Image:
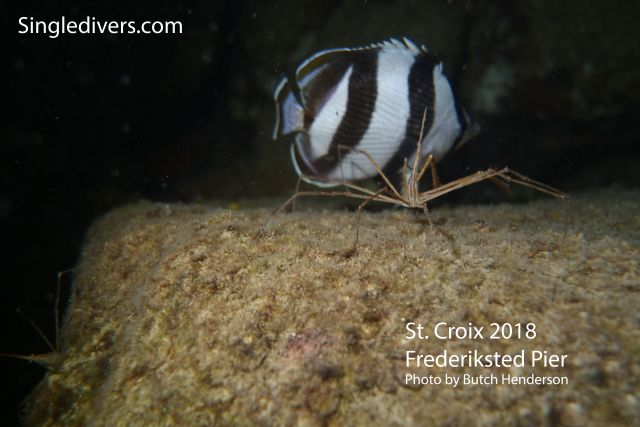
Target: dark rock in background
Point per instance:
(96, 121)
(553, 85)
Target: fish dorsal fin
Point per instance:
(406, 44)
(325, 57)
(320, 61)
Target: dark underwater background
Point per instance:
(92, 122)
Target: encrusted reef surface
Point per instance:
(197, 315)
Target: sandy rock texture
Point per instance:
(197, 315)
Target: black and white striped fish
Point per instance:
(371, 98)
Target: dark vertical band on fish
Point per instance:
(421, 97)
(361, 100)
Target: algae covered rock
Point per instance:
(194, 315)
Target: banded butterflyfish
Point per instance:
(340, 103)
